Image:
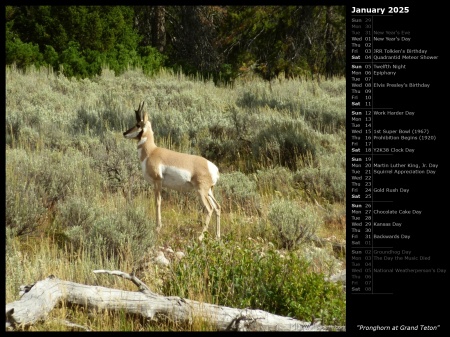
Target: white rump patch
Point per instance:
(176, 178)
(214, 171)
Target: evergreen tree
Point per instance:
(217, 41)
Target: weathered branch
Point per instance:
(44, 295)
(141, 285)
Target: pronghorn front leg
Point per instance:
(158, 187)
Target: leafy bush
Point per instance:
(151, 60)
(248, 275)
(73, 62)
(51, 56)
(295, 223)
(22, 54)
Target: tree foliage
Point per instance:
(79, 39)
(286, 39)
(193, 35)
(219, 41)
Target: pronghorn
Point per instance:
(175, 170)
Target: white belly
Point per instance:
(176, 178)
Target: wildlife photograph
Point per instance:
(175, 168)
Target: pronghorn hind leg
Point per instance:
(215, 205)
(158, 188)
(209, 209)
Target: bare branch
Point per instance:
(141, 285)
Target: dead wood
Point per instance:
(43, 296)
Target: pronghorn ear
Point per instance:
(145, 117)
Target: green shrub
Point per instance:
(236, 192)
(326, 182)
(113, 232)
(107, 115)
(24, 209)
(172, 125)
(36, 183)
(295, 224)
(61, 174)
(232, 152)
(227, 141)
(33, 184)
(321, 259)
(151, 60)
(249, 276)
(22, 54)
(275, 180)
(29, 135)
(51, 56)
(72, 61)
(16, 122)
(281, 143)
(116, 160)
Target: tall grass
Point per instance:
(76, 199)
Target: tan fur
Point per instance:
(197, 167)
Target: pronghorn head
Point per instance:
(141, 123)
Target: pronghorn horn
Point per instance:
(139, 111)
(141, 107)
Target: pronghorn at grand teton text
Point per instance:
(178, 171)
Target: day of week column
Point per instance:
(361, 155)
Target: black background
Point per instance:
(415, 299)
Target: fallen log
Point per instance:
(40, 298)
